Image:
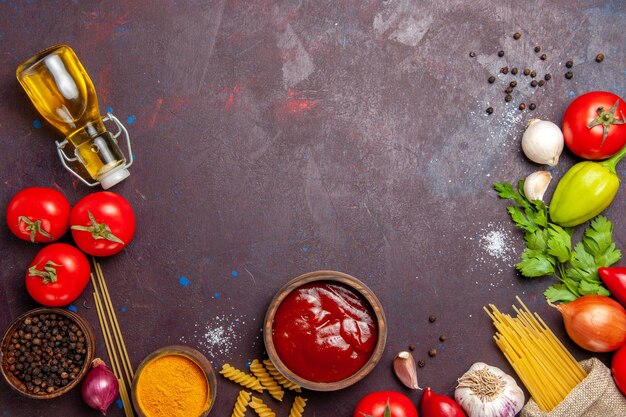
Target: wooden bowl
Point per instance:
(352, 283)
(192, 354)
(20, 386)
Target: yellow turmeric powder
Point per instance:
(172, 386)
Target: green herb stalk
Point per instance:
(549, 247)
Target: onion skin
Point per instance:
(100, 387)
(595, 322)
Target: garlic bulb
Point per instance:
(543, 142)
(486, 391)
(536, 184)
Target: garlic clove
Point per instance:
(542, 142)
(536, 184)
(404, 367)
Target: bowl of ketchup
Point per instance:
(325, 330)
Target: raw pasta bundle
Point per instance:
(261, 408)
(278, 377)
(266, 380)
(241, 378)
(297, 408)
(241, 404)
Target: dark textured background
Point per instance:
(277, 138)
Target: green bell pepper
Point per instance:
(585, 191)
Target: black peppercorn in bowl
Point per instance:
(46, 352)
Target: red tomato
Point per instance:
(593, 125)
(435, 405)
(38, 214)
(618, 368)
(102, 223)
(375, 403)
(58, 275)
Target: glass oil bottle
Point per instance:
(63, 93)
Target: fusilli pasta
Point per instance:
(297, 408)
(266, 380)
(241, 378)
(261, 408)
(278, 377)
(241, 404)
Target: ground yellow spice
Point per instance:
(172, 386)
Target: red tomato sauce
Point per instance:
(324, 331)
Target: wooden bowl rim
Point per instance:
(90, 342)
(190, 353)
(359, 287)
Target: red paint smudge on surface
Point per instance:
(296, 104)
(155, 113)
(58, 187)
(231, 97)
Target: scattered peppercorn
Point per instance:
(411, 347)
(504, 70)
(514, 70)
(491, 79)
(526, 71)
(442, 338)
(432, 318)
(472, 54)
(569, 64)
(569, 75)
(421, 363)
(532, 106)
(522, 106)
(508, 98)
(517, 35)
(513, 84)
(547, 77)
(537, 48)
(432, 353)
(489, 110)
(599, 57)
(541, 83)
(533, 83)
(508, 90)
(543, 57)
(533, 74)
(500, 54)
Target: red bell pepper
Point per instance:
(615, 279)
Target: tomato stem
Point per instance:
(33, 227)
(49, 274)
(606, 119)
(98, 230)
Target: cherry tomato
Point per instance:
(435, 405)
(375, 404)
(593, 125)
(38, 214)
(102, 223)
(618, 369)
(58, 275)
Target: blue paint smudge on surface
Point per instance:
(123, 309)
(184, 281)
(109, 109)
(120, 404)
(305, 249)
(131, 119)
(571, 93)
(37, 124)
(72, 308)
(234, 273)
(216, 295)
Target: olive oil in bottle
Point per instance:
(63, 93)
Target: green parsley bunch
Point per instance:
(549, 247)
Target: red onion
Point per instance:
(100, 387)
